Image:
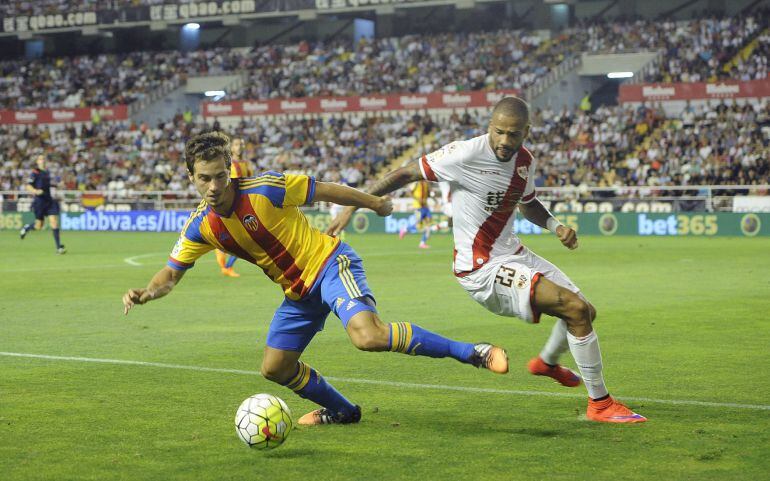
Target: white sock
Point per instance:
(556, 345)
(586, 352)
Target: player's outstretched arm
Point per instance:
(354, 198)
(393, 180)
(161, 284)
(535, 212)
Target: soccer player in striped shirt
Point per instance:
(258, 219)
(490, 176)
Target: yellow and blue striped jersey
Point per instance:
(240, 168)
(420, 194)
(265, 227)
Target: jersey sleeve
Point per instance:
(300, 190)
(444, 165)
(530, 193)
(189, 247)
(32, 179)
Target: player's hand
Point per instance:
(340, 222)
(567, 236)
(384, 207)
(134, 296)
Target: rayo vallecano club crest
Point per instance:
(251, 222)
(523, 171)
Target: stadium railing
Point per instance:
(691, 198)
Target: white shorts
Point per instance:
(506, 286)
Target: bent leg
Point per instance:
(578, 315)
(369, 333)
(285, 368)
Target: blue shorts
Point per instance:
(340, 288)
(424, 217)
(45, 207)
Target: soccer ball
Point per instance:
(263, 421)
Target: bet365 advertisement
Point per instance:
(637, 224)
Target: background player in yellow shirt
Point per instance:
(258, 219)
(238, 168)
(422, 214)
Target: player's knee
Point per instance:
(592, 311)
(369, 338)
(579, 313)
(275, 373)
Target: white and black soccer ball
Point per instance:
(263, 421)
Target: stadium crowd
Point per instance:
(614, 146)
(122, 158)
(696, 50)
(509, 59)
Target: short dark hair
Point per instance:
(512, 107)
(207, 146)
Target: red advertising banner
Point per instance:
(328, 105)
(61, 116)
(728, 89)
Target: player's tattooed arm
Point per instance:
(396, 179)
(393, 180)
(161, 284)
(535, 212)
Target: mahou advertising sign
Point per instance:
(63, 116)
(369, 103)
(694, 91)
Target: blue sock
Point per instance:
(410, 339)
(424, 237)
(56, 237)
(230, 261)
(29, 227)
(309, 384)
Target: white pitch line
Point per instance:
(132, 260)
(63, 268)
(408, 385)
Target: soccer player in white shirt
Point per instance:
(490, 176)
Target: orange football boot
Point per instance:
(560, 374)
(611, 411)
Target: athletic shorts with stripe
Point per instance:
(506, 287)
(341, 288)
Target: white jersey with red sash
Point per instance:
(485, 192)
(490, 262)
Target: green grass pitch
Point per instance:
(681, 321)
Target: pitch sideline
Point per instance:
(440, 387)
